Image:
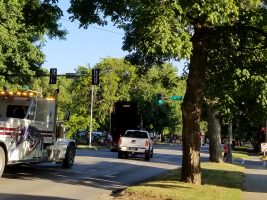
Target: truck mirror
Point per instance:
(30, 115)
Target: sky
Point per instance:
(83, 47)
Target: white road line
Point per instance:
(111, 175)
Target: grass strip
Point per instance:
(240, 155)
(220, 181)
(240, 152)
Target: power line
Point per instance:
(102, 29)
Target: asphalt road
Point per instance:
(94, 175)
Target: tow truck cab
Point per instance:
(28, 131)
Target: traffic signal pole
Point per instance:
(91, 116)
(95, 81)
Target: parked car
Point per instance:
(97, 134)
(81, 137)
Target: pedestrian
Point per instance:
(225, 149)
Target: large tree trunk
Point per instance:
(191, 107)
(214, 133)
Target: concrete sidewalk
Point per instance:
(255, 180)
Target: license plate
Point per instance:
(133, 148)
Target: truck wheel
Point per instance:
(147, 156)
(2, 160)
(69, 157)
(120, 154)
(126, 155)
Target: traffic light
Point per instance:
(159, 99)
(95, 76)
(53, 76)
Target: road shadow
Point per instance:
(30, 197)
(97, 175)
(255, 183)
(254, 164)
(255, 179)
(106, 173)
(171, 155)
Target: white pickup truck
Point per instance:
(135, 142)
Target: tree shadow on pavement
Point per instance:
(255, 180)
(31, 197)
(103, 175)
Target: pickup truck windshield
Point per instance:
(136, 134)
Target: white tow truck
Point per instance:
(29, 132)
(135, 142)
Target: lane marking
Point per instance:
(111, 175)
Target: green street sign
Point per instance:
(26, 87)
(176, 98)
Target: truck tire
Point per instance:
(2, 161)
(120, 154)
(126, 155)
(147, 156)
(69, 157)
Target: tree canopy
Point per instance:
(119, 81)
(161, 30)
(237, 70)
(23, 27)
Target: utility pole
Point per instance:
(55, 114)
(110, 119)
(91, 116)
(95, 81)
